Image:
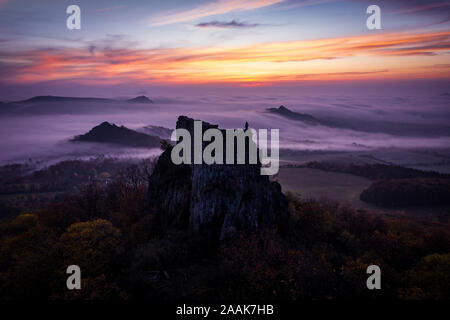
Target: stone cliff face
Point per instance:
(214, 200)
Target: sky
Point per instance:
(136, 44)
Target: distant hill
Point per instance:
(39, 99)
(285, 112)
(40, 105)
(140, 99)
(110, 133)
(389, 127)
(6, 107)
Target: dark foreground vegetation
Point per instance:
(111, 232)
(400, 192)
(22, 187)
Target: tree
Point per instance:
(92, 245)
(431, 277)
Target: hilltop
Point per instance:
(140, 99)
(285, 112)
(372, 126)
(39, 99)
(42, 99)
(110, 133)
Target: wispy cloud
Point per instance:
(358, 57)
(425, 6)
(306, 3)
(109, 8)
(209, 9)
(226, 24)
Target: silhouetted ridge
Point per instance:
(390, 127)
(283, 111)
(38, 99)
(140, 99)
(110, 133)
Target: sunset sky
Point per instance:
(219, 42)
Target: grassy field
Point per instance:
(313, 183)
(342, 187)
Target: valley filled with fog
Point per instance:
(405, 130)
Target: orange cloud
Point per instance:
(394, 55)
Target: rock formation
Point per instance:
(214, 200)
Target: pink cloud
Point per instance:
(362, 56)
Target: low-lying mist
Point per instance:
(42, 131)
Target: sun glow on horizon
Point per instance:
(390, 55)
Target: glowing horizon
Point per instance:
(368, 57)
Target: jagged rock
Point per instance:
(169, 191)
(214, 200)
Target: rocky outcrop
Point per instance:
(214, 200)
